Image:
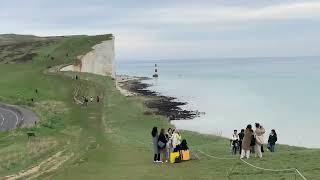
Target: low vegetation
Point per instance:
(110, 139)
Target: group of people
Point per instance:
(86, 100)
(166, 142)
(251, 141)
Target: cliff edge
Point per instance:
(101, 60)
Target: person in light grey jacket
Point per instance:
(155, 137)
(169, 143)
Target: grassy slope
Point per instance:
(105, 139)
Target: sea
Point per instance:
(279, 93)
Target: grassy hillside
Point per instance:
(110, 140)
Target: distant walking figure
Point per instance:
(259, 139)
(245, 152)
(86, 101)
(76, 77)
(98, 99)
(155, 137)
(36, 91)
(91, 99)
(272, 140)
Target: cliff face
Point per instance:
(98, 61)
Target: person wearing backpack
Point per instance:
(259, 139)
(245, 151)
(162, 142)
(155, 137)
(272, 140)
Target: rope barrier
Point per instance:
(265, 169)
(257, 167)
(304, 178)
(247, 163)
(214, 157)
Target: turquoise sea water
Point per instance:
(280, 93)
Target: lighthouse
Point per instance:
(155, 75)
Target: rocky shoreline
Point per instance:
(160, 105)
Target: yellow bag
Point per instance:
(185, 155)
(173, 156)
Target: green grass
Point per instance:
(103, 141)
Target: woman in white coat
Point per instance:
(176, 138)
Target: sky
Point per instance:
(176, 29)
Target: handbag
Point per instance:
(161, 144)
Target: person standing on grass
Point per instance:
(86, 101)
(155, 137)
(98, 99)
(259, 139)
(272, 140)
(162, 142)
(253, 142)
(245, 151)
(240, 135)
(169, 143)
(91, 99)
(176, 139)
(234, 142)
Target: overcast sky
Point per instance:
(169, 29)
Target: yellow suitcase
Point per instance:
(173, 156)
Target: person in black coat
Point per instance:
(241, 135)
(272, 140)
(162, 142)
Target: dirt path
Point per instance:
(46, 166)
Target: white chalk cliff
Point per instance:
(98, 61)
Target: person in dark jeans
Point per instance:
(155, 137)
(241, 135)
(272, 140)
(234, 142)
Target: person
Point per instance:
(169, 143)
(155, 137)
(162, 142)
(176, 138)
(245, 151)
(98, 99)
(253, 143)
(234, 142)
(259, 139)
(86, 101)
(91, 99)
(272, 140)
(240, 135)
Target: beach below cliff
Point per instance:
(158, 104)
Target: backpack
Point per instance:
(184, 145)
